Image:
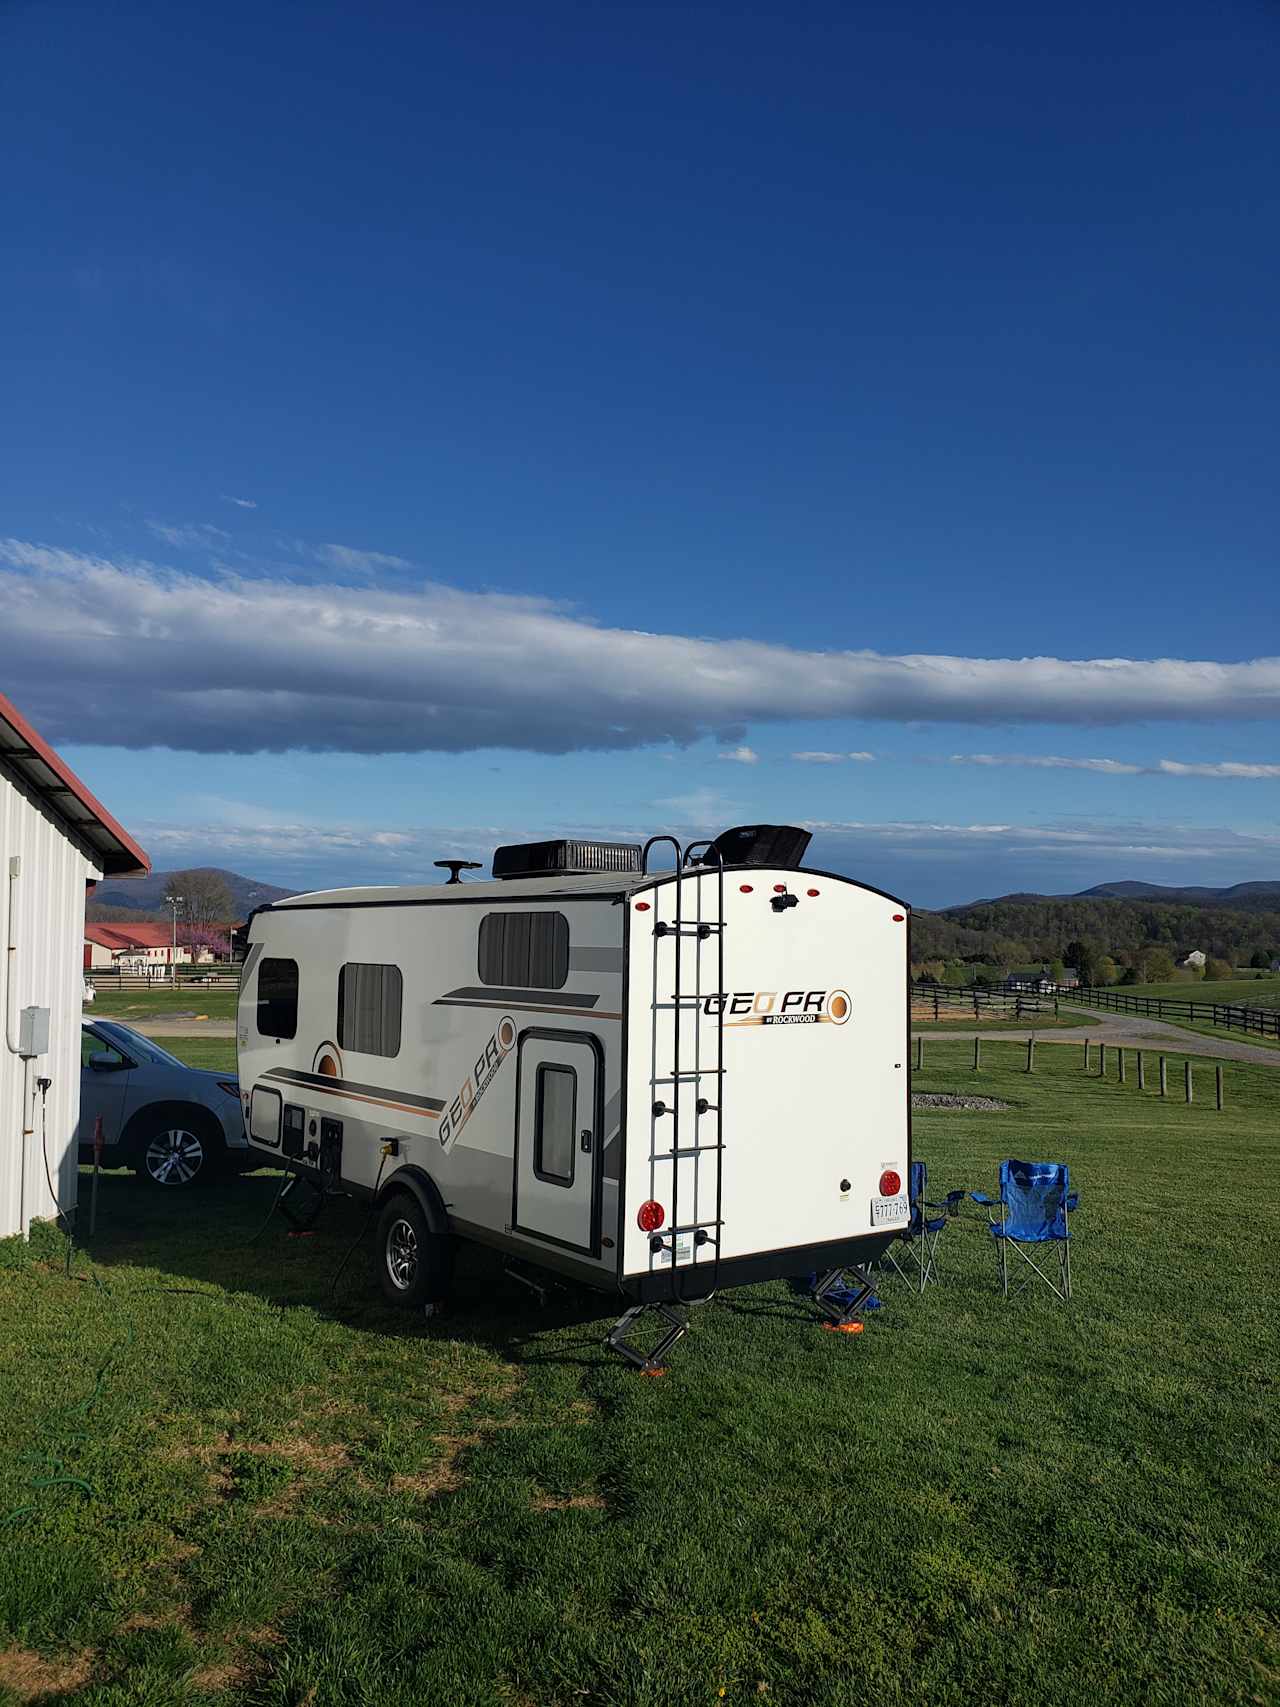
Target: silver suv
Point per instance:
(175, 1125)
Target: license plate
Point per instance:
(885, 1210)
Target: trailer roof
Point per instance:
(522, 889)
(505, 889)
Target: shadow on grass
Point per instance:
(225, 1239)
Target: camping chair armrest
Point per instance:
(981, 1197)
(1073, 1202)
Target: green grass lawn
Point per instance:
(243, 1490)
(1262, 991)
(156, 1003)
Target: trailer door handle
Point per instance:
(585, 1140)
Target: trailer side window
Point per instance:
(277, 998)
(524, 951)
(557, 1102)
(369, 1003)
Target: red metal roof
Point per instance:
(145, 934)
(35, 763)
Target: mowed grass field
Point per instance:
(223, 1483)
(156, 1003)
(1260, 991)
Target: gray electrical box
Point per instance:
(33, 1032)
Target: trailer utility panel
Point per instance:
(660, 1082)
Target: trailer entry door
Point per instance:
(558, 1139)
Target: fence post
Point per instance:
(1164, 1077)
(977, 1054)
(919, 1050)
(1120, 1052)
(1186, 1079)
(1102, 1060)
(1086, 1054)
(1031, 1055)
(1217, 1074)
(935, 1004)
(1142, 1077)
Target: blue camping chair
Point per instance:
(922, 1232)
(1036, 1206)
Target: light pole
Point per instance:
(174, 901)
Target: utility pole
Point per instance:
(174, 901)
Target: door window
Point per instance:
(554, 1121)
(91, 1045)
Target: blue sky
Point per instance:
(431, 425)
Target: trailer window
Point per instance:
(553, 1152)
(369, 1003)
(277, 998)
(264, 1115)
(524, 951)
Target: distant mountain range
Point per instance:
(146, 894)
(1257, 897)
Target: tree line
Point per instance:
(1105, 941)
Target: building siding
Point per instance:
(47, 928)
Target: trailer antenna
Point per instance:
(455, 868)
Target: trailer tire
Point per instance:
(413, 1261)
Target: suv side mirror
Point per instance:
(106, 1062)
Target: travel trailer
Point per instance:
(658, 1081)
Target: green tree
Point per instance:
(1157, 966)
(1260, 958)
(1218, 969)
(1105, 970)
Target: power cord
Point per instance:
(68, 1222)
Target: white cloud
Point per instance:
(236, 664)
(1045, 761)
(833, 758)
(742, 756)
(366, 562)
(1118, 767)
(190, 536)
(241, 503)
(1227, 768)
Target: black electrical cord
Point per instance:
(68, 1223)
(364, 1228)
(275, 1204)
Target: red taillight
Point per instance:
(779, 888)
(642, 906)
(745, 888)
(812, 892)
(890, 1183)
(899, 918)
(650, 1216)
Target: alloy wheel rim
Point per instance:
(402, 1255)
(174, 1157)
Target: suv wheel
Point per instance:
(174, 1153)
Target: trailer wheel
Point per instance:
(412, 1260)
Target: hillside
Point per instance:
(143, 896)
(1020, 930)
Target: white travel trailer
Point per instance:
(658, 1082)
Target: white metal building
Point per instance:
(55, 839)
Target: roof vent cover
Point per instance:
(565, 858)
(763, 844)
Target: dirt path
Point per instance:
(177, 1027)
(1134, 1032)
